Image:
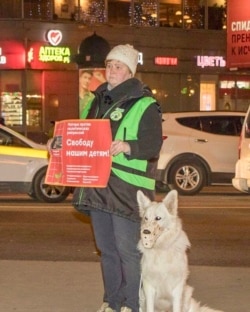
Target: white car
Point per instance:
(199, 149)
(23, 166)
(241, 180)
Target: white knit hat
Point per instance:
(125, 54)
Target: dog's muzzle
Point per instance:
(149, 235)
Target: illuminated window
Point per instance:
(187, 14)
(34, 9)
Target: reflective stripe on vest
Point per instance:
(132, 171)
(86, 110)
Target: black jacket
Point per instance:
(119, 197)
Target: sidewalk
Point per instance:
(43, 286)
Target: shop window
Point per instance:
(118, 12)
(34, 100)
(173, 92)
(13, 107)
(12, 110)
(69, 9)
(187, 14)
(201, 14)
(170, 14)
(34, 110)
(234, 92)
(10, 8)
(193, 14)
(144, 13)
(216, 14)
(11, 97)
(190, 92)
(42, 9)
(86, 11)
(207, 96)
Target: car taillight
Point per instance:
(164, 137)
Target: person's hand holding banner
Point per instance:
(79, 153)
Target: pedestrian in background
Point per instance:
(137, 138)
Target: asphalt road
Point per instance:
(217, 223)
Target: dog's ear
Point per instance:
(143, 202)
(171, 202)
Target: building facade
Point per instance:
(184, 66)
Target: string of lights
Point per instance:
(189, 14)
(144, 13)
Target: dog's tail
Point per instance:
(191, 305)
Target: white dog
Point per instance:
(164, 264)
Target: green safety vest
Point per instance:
(132, 171)
(85, 111)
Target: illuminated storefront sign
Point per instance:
(140, 58)
(54, 37)
(12, 55)
(54, 54)
(210, 61)
(238, 34)
(166, 61)
(3, 59)
(42, 56)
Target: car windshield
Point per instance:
(7, 139)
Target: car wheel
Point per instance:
(187, 177)
(48, 193)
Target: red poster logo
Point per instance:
(79, 154)
(238, 34)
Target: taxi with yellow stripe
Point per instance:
(23, 166)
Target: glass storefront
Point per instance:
(182, 76)
(178, 92)
(175, 92)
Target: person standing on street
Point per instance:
(136, 128)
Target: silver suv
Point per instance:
(199, 149)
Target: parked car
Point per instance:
(199, 149)
(23, 166)
(241, 180)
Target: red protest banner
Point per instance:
(238, 27)
(79, 153)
